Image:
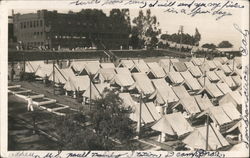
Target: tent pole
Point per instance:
(207, 131)
(90, 91)
(139, 119)
(54, 77)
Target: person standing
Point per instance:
(30, 104)
(12, 73)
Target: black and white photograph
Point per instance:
(163, 78)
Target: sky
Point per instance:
(211, 30)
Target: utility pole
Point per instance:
(139, 118)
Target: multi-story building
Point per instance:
(83, 29)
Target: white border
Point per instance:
(29, 4)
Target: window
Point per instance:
(30, 23)
(41, 23)
(37, 33)
(21, 25)
(34, 23)
(37, 23)
(41, 33)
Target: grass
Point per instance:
(52, 106)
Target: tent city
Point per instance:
(121, 79)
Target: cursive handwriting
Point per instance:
(85, 2)
(201, 153)
(244, 41)
(246, 104)
(111, 2)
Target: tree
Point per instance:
(209, 46)
(110, 118)
(147, 27)
(72, 136)
(197, 37)
(225, 44)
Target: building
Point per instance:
(87, 28)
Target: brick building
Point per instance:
(83, 29)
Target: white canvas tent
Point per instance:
(61, 75)
(104, 75)
(173, 124)
(156, 70)
(223, 87)
(189, 64)
(212, 76)
(190, 81)
(149, 113)
(78, 66)
(122, 70)
(227, 79)
(212, 90)
(32, 66)
(143, 83)
(44, 70)
(96, 91)
(197, 139)
(195, 71)
(123, 80)
(175, 77)
(139, 66)
(91, 68)
(107, 65)
(203, 102)
(197, 61)
(127, 100)
(233, 97)
(77, 83)
(164, 93)
(126, 63)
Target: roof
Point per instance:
(44, 70)
(156, 70)
(126, 63)
(92, 67)
(217, 63)
(180, 91)
(143, 83)
(210, 64)
(197, 61)
(204, 103)
(122, 70)
(233, 96)
(78, 65)
(165, 64)
(123, 80)
(212, 76)
(223, 87)
(213, 90)
(237, 80)
(179, 66)
(175, 77)
(195, 71)
(227, 79)
(222, 114)
(107, 73)
(61, 75)
(164, 93)
(197, 139)
(226, 69)
(191, 82)
(222, 60)
(173, 124)
(189, 104)
(107, 65)
(96, 90)
(148, 113)
(76, 83)
(32, 66)
(189, 64)
(127, 100)
(141, 65)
